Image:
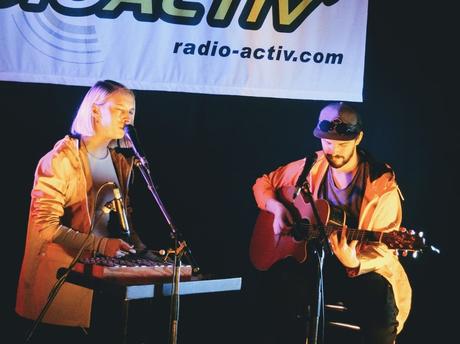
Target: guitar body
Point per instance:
(266, 248)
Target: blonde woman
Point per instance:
(73, 182)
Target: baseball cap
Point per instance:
(338, 121)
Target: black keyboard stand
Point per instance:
(120, 295)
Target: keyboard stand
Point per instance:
(123, 294)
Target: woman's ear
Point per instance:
(95, 113)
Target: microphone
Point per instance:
(131, 134)
(309, 162)
(120, 209)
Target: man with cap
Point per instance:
(369, 278)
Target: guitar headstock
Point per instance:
(405, 241)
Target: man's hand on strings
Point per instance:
(283, 221)
(345, 252)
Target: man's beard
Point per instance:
(337, 161)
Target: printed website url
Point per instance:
(273, 53)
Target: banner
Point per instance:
(299, 49)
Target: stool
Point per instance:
(340, 328)
(340, 308)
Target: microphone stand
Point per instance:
(319, 246)
(180, 247)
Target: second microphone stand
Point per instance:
(180, 248)
(319, 247)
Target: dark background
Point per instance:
(206, 151)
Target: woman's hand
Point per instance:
(118, 248)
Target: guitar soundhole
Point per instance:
(299, 231)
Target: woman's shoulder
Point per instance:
(64, 150)
(68, 142)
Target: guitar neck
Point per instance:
(363, 236)
(396, 239)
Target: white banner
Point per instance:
(301, 49)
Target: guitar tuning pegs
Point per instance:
(403, 229)
(415, 254)
(421, 234)
(411, 232)
(404, 253)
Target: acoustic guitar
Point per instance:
(266, 247)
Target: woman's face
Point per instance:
(111, 116)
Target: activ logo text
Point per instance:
(287, 15)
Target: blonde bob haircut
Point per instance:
(97, 94)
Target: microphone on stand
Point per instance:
(120, 210)
(131, 134)
(309, 162)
